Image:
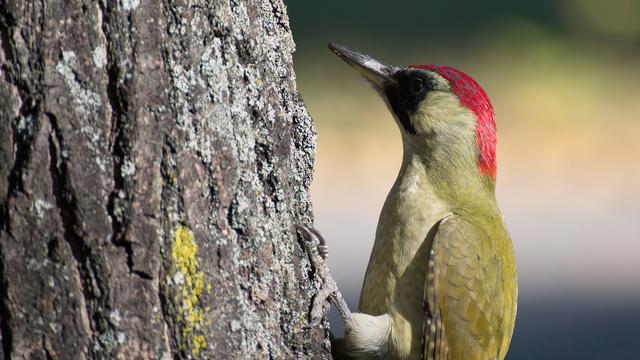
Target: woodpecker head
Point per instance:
(443, 114)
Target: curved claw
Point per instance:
(322, 246)
(314, 242)
(306, 233)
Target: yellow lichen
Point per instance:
(190, 283)
(198, 344)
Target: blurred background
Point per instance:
(564, 79)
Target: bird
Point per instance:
(441, 282)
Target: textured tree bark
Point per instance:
(153, 158)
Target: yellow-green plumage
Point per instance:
(441, 281)
(471, 289)
(471, 284)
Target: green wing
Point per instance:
(467, 305)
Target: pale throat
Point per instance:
(414, 199)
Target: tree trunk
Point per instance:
(153, 159)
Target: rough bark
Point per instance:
(153, 158)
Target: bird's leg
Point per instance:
(366, 336)
(316, 247)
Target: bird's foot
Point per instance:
(317, 249)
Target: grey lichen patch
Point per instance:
(106, 341)
(40, 206)
(55, 327)
(211, 63)
(115, 317)
(128, 168)
(99, 56)
(25, 125)
(121, 338)
(86, 100)
(129, 5)
(96, 144)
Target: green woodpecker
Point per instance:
(441, 281)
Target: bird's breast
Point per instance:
(395, 277)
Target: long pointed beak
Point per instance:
(376, 72)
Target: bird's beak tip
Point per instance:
(373, 70)
(337, 48)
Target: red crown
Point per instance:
(473, 97)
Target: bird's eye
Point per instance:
(416, 86)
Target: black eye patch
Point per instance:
(414, 87)
(405, 97)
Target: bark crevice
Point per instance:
(122, 131)
(66, 205)
(168, 200)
